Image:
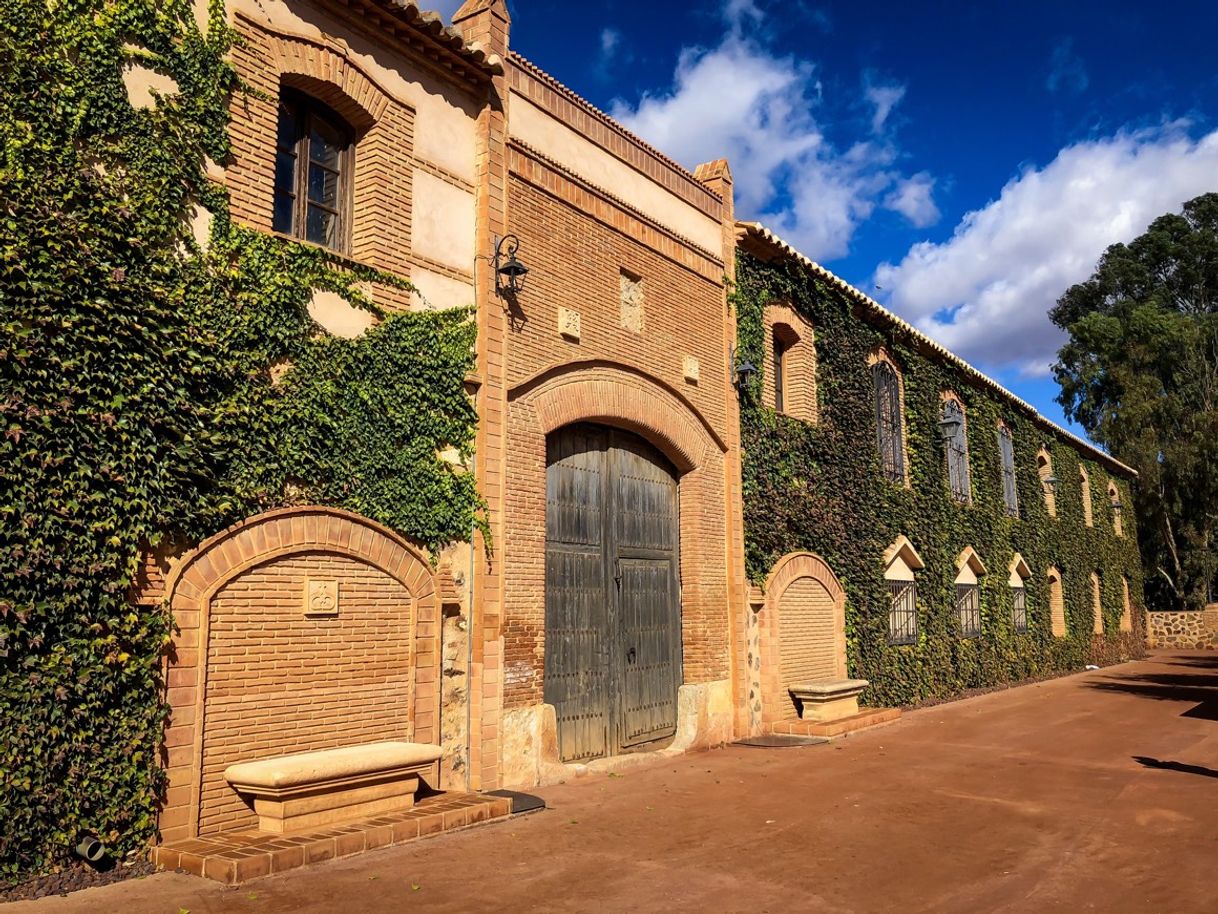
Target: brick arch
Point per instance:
(259, 545)
(788, 572)
(611, 394)
(316, 69)
(616, 395)
(783, 323)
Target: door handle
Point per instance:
(630, 656)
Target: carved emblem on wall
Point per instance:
(569, 323)
(631, 289)
(321, 598)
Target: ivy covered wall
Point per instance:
(819, 488)
(157, 389)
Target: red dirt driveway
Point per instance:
(1098, 792)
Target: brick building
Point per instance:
(614, 613)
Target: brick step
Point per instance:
(864, 720)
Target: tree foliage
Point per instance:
(1140, 374)
(153, 388)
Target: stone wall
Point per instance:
(1187, 630)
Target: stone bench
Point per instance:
(828, 699)
(315, 789)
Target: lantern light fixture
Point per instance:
(510, 273)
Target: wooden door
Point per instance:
(613, 639)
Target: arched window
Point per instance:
(1057, 604)
(969, 570)
(953, 427)
(789, 375)
(1006, 453)
(1048, 482)
(1118, 509)
(889, 420)
(780, 351)
(901, 560)
(1097, 603)
(1019, 594)
(1085, 482)
(312, 173)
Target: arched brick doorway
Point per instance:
(301, 630)
(612, 592)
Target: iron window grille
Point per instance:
(890, 433)
(1006, 448)
(313, 165)
(956, 444)
(968, 606)
(903, 614)
(1019, 610)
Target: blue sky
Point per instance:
(964, 163)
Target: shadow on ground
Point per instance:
(1175, 766)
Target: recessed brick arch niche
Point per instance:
(300, 630)
(802, 632)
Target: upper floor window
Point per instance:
(1118, 509)
(1048, 482)
(313, 163)
(789, 378)
(889, 421)
(901, 561)
(1085, 483)
(780, 351)
(955, 442)
(1006, 452)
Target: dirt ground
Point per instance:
(1098, 792)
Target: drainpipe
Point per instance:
(469, 646)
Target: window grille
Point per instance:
(956, 442)
(890, 432)
(1006, 448)
(968, 605)
(312, 173)
(903, 615)
(1019, 611)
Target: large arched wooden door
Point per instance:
(613, 627)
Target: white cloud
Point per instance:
(986, 291)
(914, 199)
(883, 99)
(740, 101)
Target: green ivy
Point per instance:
(156, 391)
(819, 488)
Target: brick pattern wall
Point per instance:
(242, 591)
(279, 682)
(802, 632)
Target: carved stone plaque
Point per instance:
(321, 598)
(569, 323)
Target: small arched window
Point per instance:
(780, 371)
(1085, 483)
(313, 159)
(1048, 482)
(889, 421)
(953, 426)
(1118, 509)
(1019, 594)
(901, 561)
(1006, 453)
(1057, 604)
(969, 570)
